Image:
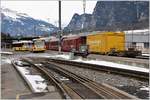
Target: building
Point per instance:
(138, 39)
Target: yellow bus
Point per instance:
(22, 45)
(38, 45)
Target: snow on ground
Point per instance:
(145, 88)
(8, 61)
(105, 63)
(4, 52)
(5, 60)
(37, 83)
(63, 56)
(145, 54)
(46, 55)
(112, 64)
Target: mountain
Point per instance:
(19, 23)
(112, 15)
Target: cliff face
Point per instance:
(79, 21)
(113, 15)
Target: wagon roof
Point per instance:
(16, 42)
(72, 37)
(144, 31)
(54, 39)
(105, 32)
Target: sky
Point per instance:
(48, 10)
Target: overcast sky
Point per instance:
(48, 10)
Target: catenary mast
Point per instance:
(60, 31)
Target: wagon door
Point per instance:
(115, 42)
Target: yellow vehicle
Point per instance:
(105, 42)
(22, 45)
(38, 45)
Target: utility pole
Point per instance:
(137, 10)
(84, 6)
(48, 26)
(34, 30)
(60, 31)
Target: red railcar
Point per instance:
(47, 45)
(53, 45)
(76, 44)
(70, 43)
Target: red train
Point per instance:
(79, 45)
(76, 44)
(73, 43)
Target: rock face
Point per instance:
(18, 23)
(113, 15)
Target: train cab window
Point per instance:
(133, 44)
(146, 45)
(17, 45)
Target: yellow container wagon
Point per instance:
(105, 42)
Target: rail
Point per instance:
(93, 89)
(125, 72)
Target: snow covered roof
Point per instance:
(16, 42)
(146, 31)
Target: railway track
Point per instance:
(143, 57)
(124, 72)
(77, 87)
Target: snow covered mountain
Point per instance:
(19, 23)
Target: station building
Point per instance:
(138, 39)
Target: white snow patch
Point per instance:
(11, 14)
(42, 25)
(111, 64)
(36, 81)
(4, 52)
(45, 28)
(46, 55)
(144, 54)
(38, 64)
(105, 63)
(6, 61)
(145, 88)
(63, 56)
(23, 70)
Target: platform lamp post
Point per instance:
(60, 31)
(84, 6)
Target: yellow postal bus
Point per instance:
(22, 45)
(38, 45)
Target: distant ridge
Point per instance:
(20, 23)
(112, 15)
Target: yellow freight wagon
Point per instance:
(105, 42)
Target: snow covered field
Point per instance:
(4, 52)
